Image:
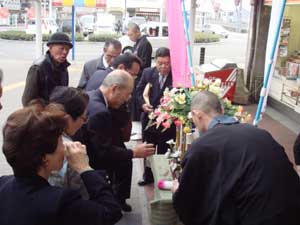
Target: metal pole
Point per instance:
(192, 23)
(125, 8)
(189, 51)
(73, 31)
(50, 9)
(38, 34)
(161, 11)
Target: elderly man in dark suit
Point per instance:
(234, 173)
(159, 78)
(112, 48)
(143, 50)
(104, 149)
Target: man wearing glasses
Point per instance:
(49, 71)
(112, 48)
(157, 79)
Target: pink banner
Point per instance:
(178, 45)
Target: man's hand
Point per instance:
(175, 186)
(147, 108)
(143, 150)
(77, 157)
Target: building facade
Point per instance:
(284, 92)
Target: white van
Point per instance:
(49, 26)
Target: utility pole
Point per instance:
(38, 34)
(125, 8)
(192, 22)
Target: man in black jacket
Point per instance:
(143, 50)
(112, 49)
(234, 173)
(159, 78)
(104, 149)
(49, 71)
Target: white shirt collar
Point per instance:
(104, 62)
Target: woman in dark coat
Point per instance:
(32, 145)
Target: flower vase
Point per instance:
(178, 131)
(183, 145)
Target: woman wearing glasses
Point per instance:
(33, 146)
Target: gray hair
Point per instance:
(133, 27)
(207, 102)
(1, 76)
(120, 78)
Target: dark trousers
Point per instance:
(156, 137)
(120, 176)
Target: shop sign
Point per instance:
(12, 4)
(80, 3)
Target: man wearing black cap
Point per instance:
(49, 71)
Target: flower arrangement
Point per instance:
(175, 106)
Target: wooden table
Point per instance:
(162, 211)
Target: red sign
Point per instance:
(101, 3)
(4, 13)
(228, 78)
(57, 2)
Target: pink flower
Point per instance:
(165, 101)
(166, 116)
(166, 125)
(177, 123)
(157, 112)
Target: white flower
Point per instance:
(217, 82)
(215, 90)
(206, 81)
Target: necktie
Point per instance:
(161, 82)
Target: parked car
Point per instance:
(66, 26)
(157, 34)
(105, 23)
(215, 29)
(88, 24)
(49, 26)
